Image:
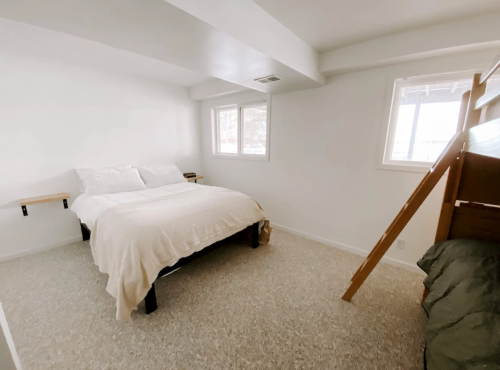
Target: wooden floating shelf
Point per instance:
(43, 199)
(194, 178)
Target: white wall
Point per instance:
(323, 177)
(56, 116)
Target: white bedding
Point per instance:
(136, 234)
(89, 207)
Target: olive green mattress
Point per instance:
(463, 306)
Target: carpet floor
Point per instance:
(276, 307)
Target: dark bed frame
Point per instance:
(150, 299)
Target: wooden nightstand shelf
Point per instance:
(194, 178)
(43, 199)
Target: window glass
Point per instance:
(241, 131)
(436, 125)
(493, 83)
(403, 132)
(227, 131)
(427, 118)
(254, 120)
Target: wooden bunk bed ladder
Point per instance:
(447, 158)
(452, 156)
(473, 157)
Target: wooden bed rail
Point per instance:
(488, 98)
(473, 116)
(492, 95)
(451, 190)
(485, 139)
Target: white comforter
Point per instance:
(135, 235)
(89, 207)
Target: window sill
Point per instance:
(406, 167)
(248, 157)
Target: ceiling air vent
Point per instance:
(265, 80)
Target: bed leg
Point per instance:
(150, 300)
(255, 235)
(85, 232)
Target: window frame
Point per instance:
(393, 112)
(240, 154)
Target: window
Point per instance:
(227, 130)
(424, 118)
(242, 131)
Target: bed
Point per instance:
(138, 236)
(462, 290)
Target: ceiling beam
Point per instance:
(443, 39)
(16, 37)
(214, 89)
(252, 25)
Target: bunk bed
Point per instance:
(462, 289)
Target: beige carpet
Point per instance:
(277, 307)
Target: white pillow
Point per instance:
(85, 170)
(155, 176)
(110, 180)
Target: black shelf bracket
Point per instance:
(25, 210)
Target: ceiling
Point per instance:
(22, 38)
(329, 24)
(193, 42)
(160, 31)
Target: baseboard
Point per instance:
(331, 243)
(348, 248)
(40, 249)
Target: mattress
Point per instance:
(463, 305)
(89, 207)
